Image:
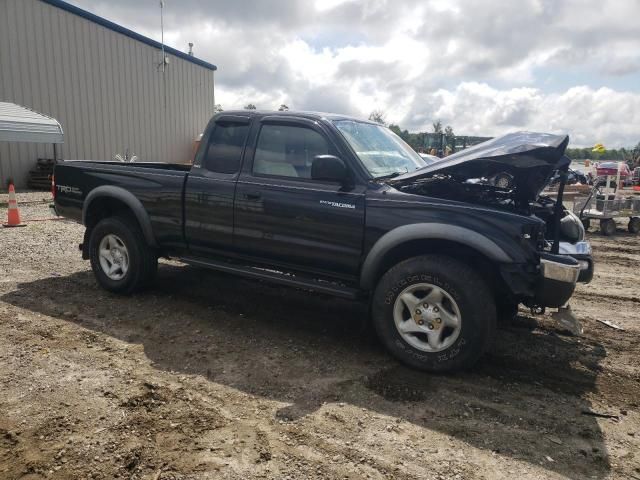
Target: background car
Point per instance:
(611, 168)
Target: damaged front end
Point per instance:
(507, 172)
(510, 173)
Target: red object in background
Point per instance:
(611, 168)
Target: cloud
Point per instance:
(587, 115)
(485, 66)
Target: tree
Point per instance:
(633, 156)
(283, 108)
(437, 126)
(403, 134)
(217, 108)
(448, 131)
(396, 129)
(378, 116)
(250, 106)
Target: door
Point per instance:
(210, 187)
(285, 217)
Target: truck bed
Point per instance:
(157, 186)
(182, 167)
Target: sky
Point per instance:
(485, 67)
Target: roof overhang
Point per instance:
(20, 124)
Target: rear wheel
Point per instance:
(434, 313)
(120, 257)
(608, 226)
(634, 225)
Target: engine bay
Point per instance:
(478, 191)
(484, 191)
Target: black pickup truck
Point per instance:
(344, 207)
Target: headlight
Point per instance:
(571, 227)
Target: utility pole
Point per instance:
(162, 33)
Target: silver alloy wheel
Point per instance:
(427, 317)
(113, 256)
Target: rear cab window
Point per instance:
(226, 144)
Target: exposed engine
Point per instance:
(483, 191)
(477, 190)
(509, 173)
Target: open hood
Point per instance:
(528, 158)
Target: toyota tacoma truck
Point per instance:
(344, 207)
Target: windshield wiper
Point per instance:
(390, 175)
(393, 174)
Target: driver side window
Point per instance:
(287, 151)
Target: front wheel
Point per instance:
(434, 313)
(120, 257)
(634, 225)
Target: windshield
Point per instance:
(381, 151)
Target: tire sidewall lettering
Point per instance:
(390, 296)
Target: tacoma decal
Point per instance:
(337, 204)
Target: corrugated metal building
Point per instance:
(102, 82)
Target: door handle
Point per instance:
(253, 196)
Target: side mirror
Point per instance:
(329, 168)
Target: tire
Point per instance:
(123, 238)
(586, 223)
(608, 226)
(634, 225)
(460, 287)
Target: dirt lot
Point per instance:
(209, 376)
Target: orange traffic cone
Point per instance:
(13, 214)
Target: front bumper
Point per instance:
(581, 251)
(552, 281)
(558, 277)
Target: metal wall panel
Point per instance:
(105, 88)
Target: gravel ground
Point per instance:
(210, 376)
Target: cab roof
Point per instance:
(295, 113)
